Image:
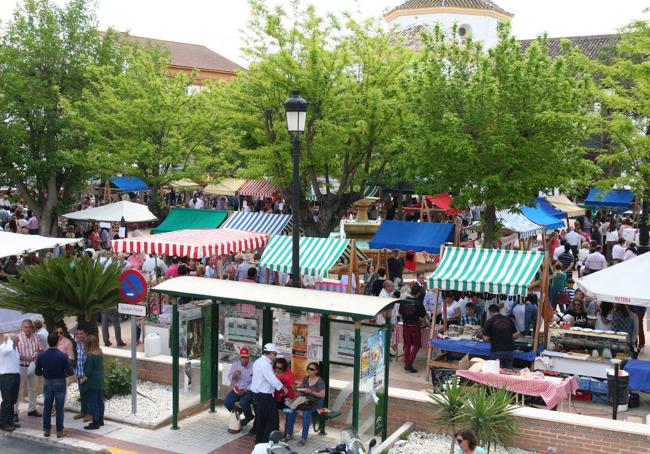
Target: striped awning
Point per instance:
(519, 223)
(273, 224)
(317, 255)
(228, 186)
(196, 243)
(260, 188)
(497, 271)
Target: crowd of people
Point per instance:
(56, 357)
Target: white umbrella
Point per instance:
(114, 212)
(625, 283)
(16, 244)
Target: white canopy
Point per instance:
(16, 244)
(114, 212)
(625, 283)
(359, 307)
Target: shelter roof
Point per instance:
(114, 212)
(538, 216)
(359, 307)
(519, 223)
(128, 184)
(497, 271)
(416, 236)
(190, 218)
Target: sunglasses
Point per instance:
(311, 369)
(459, 440)
(281, 369)
(59, 332)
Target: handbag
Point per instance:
(234, 423)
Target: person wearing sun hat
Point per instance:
(263, 386)
(240, 376)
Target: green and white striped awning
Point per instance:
(317, 255)
(497, 271)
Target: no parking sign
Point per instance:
(132, 289)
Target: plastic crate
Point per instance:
(584, 383)
(598, 386)
(599, 398)
(583, 395)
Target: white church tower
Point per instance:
(478, 18)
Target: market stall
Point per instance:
(493, 271)
(195, 244)
(367, 354)
(185, 185)
(548, 208)
(617, 199)
(563, 203)
(539, 216)
(227, 186)
(433, 206)
(318, 257)
(415, 236)
(273, 224)
(519, 224)
(190, 218)
(129, 212)
(259, 188)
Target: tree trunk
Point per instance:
(489, 226)
(90, 325)
(155, 202)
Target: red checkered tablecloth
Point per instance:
(398, 336)
(552, 392)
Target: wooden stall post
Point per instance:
(444, 312)
(351, 266)
(432, 331)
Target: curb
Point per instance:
(83, 447)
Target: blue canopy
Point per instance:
(548, 208)
(618, 198)
(540, 217)
(415, 236)
(128, 184)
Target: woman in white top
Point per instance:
(583, 253)
(631, 252)
(604, 316)
(610, 240)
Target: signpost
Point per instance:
(133, 289)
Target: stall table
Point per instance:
(553, 390)
(476, 348)
(639, 374)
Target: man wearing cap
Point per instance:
(264, 384)
(240, 376)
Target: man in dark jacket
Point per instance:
(411, 312)
(378, 285)
(54, 366)
(501, 332)
(395, 266)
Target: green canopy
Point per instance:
(497, 271)
(317, 255)
(191, 218)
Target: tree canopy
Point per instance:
(496, 127)
(45, 55)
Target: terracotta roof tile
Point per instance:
(193, 56)
(593, 46)
(471, 4)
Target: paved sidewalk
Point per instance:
(204, 433)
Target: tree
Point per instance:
(61, 287)
(626, 112)
(497, 127)
(146, 122)
(350, 74)
(45, 54)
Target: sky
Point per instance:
(217, 24)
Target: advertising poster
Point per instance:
(299, 348)
(241, 330)
(346, 343)
(376, 361)
(315, 351)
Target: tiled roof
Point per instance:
(470, 4)
(593, 46)
(193, 56)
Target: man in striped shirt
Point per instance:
(79, 372)
(28, 346)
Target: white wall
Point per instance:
(483, 28)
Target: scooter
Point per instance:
(350, 444)
(274, 446)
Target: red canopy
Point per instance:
(193, 243)
(440, 201)
(259, 188)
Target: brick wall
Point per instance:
(151, 371)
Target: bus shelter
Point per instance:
(363, 344)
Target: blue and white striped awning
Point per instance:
(518, 223)
(273, 224)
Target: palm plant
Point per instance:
(61, 287)
(447, 406)
(489, 412)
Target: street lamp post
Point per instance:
(296, 110)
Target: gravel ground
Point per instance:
(157, 407)
(423, 442)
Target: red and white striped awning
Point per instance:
(195, 243)
(260, 188)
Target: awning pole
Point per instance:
(325, 363)
(175, 385)
(267, 325)
(357, 376)
(214, 357)
(432, 331)
(387, 337)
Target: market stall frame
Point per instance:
(327, 304)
